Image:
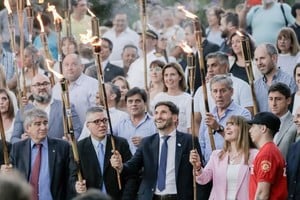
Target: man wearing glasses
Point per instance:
(42, 98)
(95, 152)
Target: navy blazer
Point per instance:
(147, 157)
(110, 72)
(59, 164)
(55, 126)
(91, 172)
(293, 171)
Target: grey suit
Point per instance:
(55, 127)
(286, 135)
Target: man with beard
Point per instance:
(266, 56)
(164, 156)
(229, 24)
(42, 95)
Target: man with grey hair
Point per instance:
(266, 56)
(94, 153)
(44, 161)
(113, 95)
(42, 98)
(221, 88)
(82, 88)
(218, 64)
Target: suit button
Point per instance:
(295, 182)
(152, 189)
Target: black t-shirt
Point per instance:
(239, 72)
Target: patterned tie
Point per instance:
(161, 179)
(35, 172)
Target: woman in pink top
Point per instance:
(228, 168)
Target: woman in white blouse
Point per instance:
(228, 168)
(174, 91)
(7, 113)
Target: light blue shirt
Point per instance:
(261, 88)
(52, 44)
(82, 94)
(233, 109)
(44, 178)
(127, 129)
(95, 144)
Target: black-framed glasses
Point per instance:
(43, 84)
(99, 121)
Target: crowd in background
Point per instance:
(146, 99)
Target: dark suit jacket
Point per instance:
(55, 127)
(293, 171)
(1, 151)
(147, 156)
(92, 174)
(110, 72)
(59, 164)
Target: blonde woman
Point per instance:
(228, 168)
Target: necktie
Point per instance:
(35, 172)
(161, 179)
(101, 156)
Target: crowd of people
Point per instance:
(137, 130)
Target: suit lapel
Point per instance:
(90, 150)
(52, 113)
(178, 152)
(155, 150)
(52, 157)
(107, 153)
(285, 125)
(27, 154)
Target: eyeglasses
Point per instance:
(99, 121)
(156, 69)
(44, 84)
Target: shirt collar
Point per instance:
(172, 134)
(44, 142)
(96, 142)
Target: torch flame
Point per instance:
(56, 16)
(49, 63)
(7, 6)
(240, 34)
(91, 13)
(185, 47)
(187, 13)
(88, 38)
(41, 22)
(28, 3)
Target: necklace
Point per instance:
(233, 158)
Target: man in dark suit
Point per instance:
(42, 95)
(44, 161)
(95, 166)
(208, 47)
(110, 71)
(173, 179)
(293, 164)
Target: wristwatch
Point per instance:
(220, 129)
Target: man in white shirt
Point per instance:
(120, 35)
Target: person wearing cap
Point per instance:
(120, 35)
(135, 75)
(268, 178)
(279, 101)
(293, 164)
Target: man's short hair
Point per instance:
(173, 108)
(231, 17)
(110, 44)
(115, 90)
(92, 110)
(220, 56)
(32, 114)
(281, 88)
(222, 78)
(135, 91)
